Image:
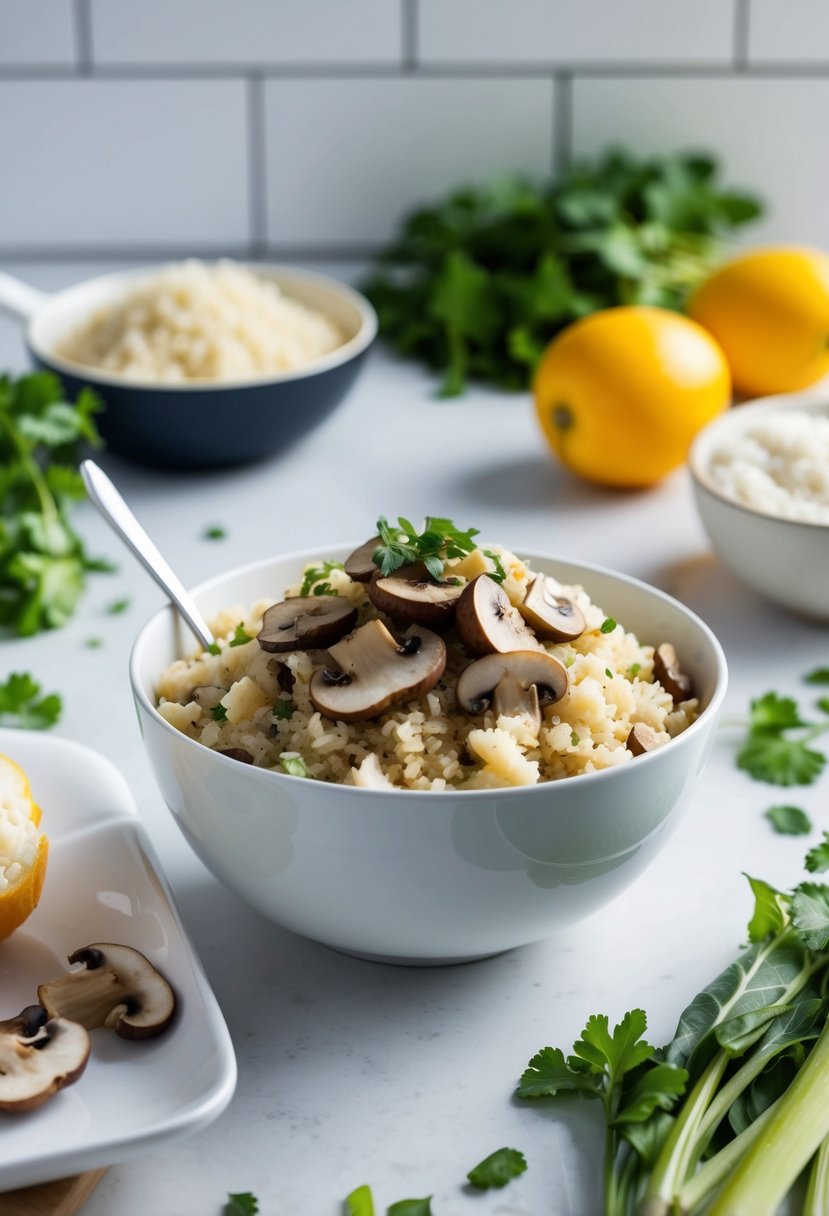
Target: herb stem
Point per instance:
(699, 1187)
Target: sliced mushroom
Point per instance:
(360, 564)
(117, 987)
(641, 739)
(38, 1056)
(207, 696)
(285, 678)
(306, 622)
(516, 684)
(552, 617)
(487, 621)
(667, 671)
(374, 670)
(236, 753)
(415, 599)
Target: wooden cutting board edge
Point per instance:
(64, 1197)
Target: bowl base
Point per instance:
(395, 960)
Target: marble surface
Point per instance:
(353, 1072)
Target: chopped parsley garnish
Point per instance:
(607, 625)
(283, 709)
(117, 607)
(499, 573)
(240, 637)
(314, 574)
(574, 739)
(817, 859)
(360, 1202)
(402, 545)
(771, 752)
(22, 706)
(411, 1207)
(820, 675)
(823, 705)
(213, 648)
(608, 673)
(789, 820)
(294, 765)
(94, 643)
(324, 589)
(214, 532)
(498, 1169)
(242, 1204)
(219, 713)
(634, 670)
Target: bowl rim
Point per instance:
(735, 419)
(362, 339)
(707, 715)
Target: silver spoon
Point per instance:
(120, 518)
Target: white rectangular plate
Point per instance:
(104, 884)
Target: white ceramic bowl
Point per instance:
(785, 560)
(421, 877)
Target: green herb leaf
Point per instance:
(499, 573)
(294, 765)
(94, 643)
(823, 704)
(549, 1073)
(214, 532)
(219, 712)
(774, 713)
(769, 914)
(242, 1204)
(820, 675)
(360, 1202)
(817, 859)
(789, 820)
(498, 1169)
(117, 607)
(283, 709)
(575, 739)
(634, 670)
(316, 574)
(240, 637)
(22, 706)
(613, 1055)
(403, 545)
(607, 625)
(656, 1088)
(778, 760)
(213, 648)
(411, 1207)
(810, 914)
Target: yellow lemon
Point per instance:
(621, 393)
(769, 311)
(23, 850)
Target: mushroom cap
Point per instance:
(117, 987)
(415, 599)
(480, 681)
(667, 671)
(38, 1056)
(376, 670)
(487, 621)
(641, 738)
(306, 622)
(359, 565)
(553, 617)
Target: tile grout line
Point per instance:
(562, 123)
(742, 20)
(82, 24)
(410, 18)
(257, 177)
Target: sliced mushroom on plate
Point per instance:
(411, 597)
(38, 1056)
(374, 670)
(487, 621)
(641, 739)
(236, 753)
(517, 684)
(306, 622)
(667, 671)
(553, 617)
(359, 565)
(117, 987)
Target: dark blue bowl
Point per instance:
(202, 424)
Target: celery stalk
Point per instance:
(817, 1195)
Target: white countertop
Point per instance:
(352, 1072)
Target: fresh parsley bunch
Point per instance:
(776, 748)
(42, 559)
(478, 284)
(402, 545)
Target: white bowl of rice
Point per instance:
(426, 833)
(761, 481)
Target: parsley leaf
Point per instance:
(634, 670)
(575, 739)
(94, 643)
(411, 1207)
(789, 820)
(219, 712)
(607, 625)
(213, 648)
(820, 675)
(779, 761)
(117, 607)
(817, 859)
(823, 704)
(214, 532)
(240, 637)
(293, 764)
(242, 1204)
(810, 914)
(498, 1169)
(360, 1202)
(774, 713)
(499, 573)
(22, 706)
(769, 915)
(283, 709)
(314, 574)
(402, 545)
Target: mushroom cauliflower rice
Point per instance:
(451, 668)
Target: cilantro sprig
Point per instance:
(402, 545)
(43, 561)
(21, 704)
(776, 748)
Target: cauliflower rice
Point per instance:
(425, 744)
(192, 321)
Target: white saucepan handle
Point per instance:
(18, 298)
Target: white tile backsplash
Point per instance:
(36, 32)
(123, 163)
(770, 135)
(247, 31)
(789, 31)
(562, 31)
(346, 158)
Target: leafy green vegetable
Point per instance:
(43, 562)
(283, 709)
(823, 704)
(635, 668)
(360, 1202)
(820, 675)
(607, 625)
(411, 1207)
(117, 607)
(478, 284)
(214, 532)
(402, 545)
(817, 859)
(294, 765)
(498, 1169)
(499, 573)
(810, 914)
(242, 1204)
(22, 706)
(314, 574)
(213, 648)
(240, 637)
(770, 753)
(789, 820)
(219, 713)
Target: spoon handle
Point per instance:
(120, 518)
